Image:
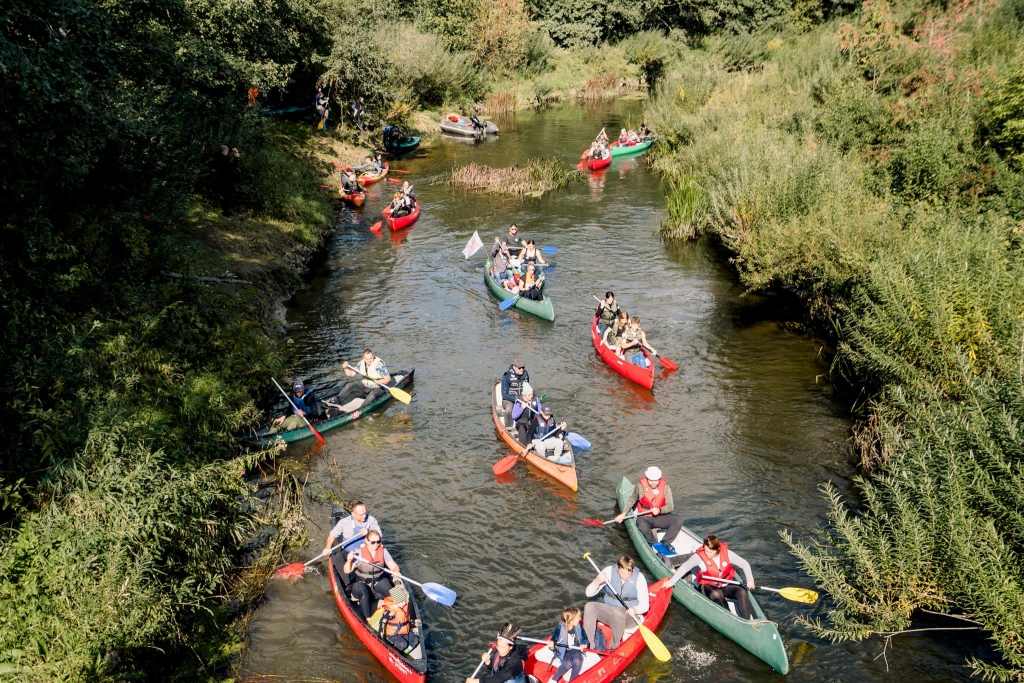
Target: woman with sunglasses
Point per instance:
(368, 582)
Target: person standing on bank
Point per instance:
(629, 583)
(653, 494)
(356, 110)
(355, 525)
(225, 170)
(714, 561)
(373, 374)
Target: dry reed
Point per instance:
(504, 102)
(535, 178)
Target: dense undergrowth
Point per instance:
(872, 166)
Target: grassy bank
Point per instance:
(872, 167)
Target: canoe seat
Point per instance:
(546, 656)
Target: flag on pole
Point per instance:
(474, 245)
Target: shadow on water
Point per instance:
(743, 431)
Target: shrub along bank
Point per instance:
(873, 167)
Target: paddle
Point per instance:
(509, 303)
(509, 461)
(549, 250)
(435, 591)
(805, 595)
(376, 226)
(657, 647)
(297, 569)
(399, 170)
(570, 647)
(597, 522)
(481, 664)
(292, 404)
(395, 392)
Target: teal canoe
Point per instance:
(625, 150)
(542, 309)
(401, 146)
(336, 416)
(758, 636)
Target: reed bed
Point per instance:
(535, 178)
(605, 86)
(504, 102)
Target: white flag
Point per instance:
(474, 245)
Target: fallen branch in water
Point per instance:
(535, 178)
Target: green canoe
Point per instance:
(336, 417)
(542, 309)
(759, 636)
(622, 151)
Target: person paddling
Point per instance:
(565, 641)
(396, 623)
(512, 383)
(349, 184)
(532, 255)
(500, 263)
(408, 192)
(373, 375)
(355, 525)
(606, 312)
(631, 341)
(504, 664)
(367, 580)
(630, 584)
(303, 403)
(524, 413)
(513, 241)
(653, 494)
(714, 561)
(547, 434)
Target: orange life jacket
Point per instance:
(649, 499)
(399, 623)
(376, 557)
(724, 570)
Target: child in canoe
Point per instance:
(569, 635)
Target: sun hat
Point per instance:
(399, 595)
(653, 473)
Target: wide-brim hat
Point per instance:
(653, 473)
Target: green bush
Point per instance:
(650, 51)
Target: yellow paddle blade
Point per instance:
(658, 648)
(401, 395)
(799, 595)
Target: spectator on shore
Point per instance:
(225, 172)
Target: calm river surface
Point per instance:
(743, 431)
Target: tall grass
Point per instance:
(853, 166)
(534, 178)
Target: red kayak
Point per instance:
(604, 668)
(353, 198)
(642, 376)
(407, 668)
(403, 221)
(596, 164)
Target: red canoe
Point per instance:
(602, 669)
(407, 668)
(353, 198)
(596, 164)
(404, 221)
(642, 376)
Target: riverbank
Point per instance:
(870, 168)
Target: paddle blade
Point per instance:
(376, 226)
(667, 364)
(442, 595)
(578, 441)
(291, 571)
(658, 648)
(399, 170)
(400, 395)
(592, 522)
(317, 434)
(804, 595)
(508, 303)
(549, 250)
(505, 464)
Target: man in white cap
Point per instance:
(653, 495)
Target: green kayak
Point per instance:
(758, 636)
(336, 416)
(625, 150)
(542, 309)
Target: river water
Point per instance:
(746, 431)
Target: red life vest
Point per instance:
(376, 557)
(649, 499)
(399, 623)
(725, 571)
